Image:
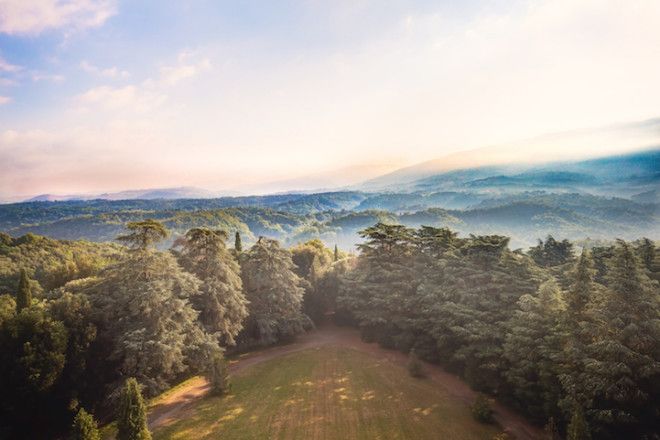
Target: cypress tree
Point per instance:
(84, 427)
(578, 429)
(132, 414)
(238, 245)
(218, 375)
(24, 296)
(336, 253)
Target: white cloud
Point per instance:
(170, 75)
(4, 100)
(127, 98)
(110, 72)
(42, 76)
(31, 17)
(8, 67)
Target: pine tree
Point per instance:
(274, 291)
(218, 375)
(625, 353)
(578, 428)
(24, 296)
(221, 304)
(84, 427)
(238, 246)
(531, 347)
(144, 234)
(144, 305)
(132, 413)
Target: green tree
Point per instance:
(481, 409)
(132, 413)
(221, 304)
(624, 369)
(336, 254)
(578, 428)
(24, 295)
(84, 427)
(143, 305)
(312, 260)
(238, 245)
(532, 347)
(552, 252)
(32, 358)
(7, 307)
(218, 374)
(274, 291)
(143, 234)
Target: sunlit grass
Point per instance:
(328, 393)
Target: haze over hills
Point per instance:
(604, 198)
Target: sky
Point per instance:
(109, 95)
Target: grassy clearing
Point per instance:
(328, 393)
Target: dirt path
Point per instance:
(180, 399)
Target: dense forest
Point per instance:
(570, 338)
(337, 218)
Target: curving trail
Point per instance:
(180, 399)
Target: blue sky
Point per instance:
(105, 95)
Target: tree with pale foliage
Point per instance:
(143, 305)
(218, 374)
(221, 304)
(275, 293)
(143, 234)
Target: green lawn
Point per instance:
(328, 393)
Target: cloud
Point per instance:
(32, 17)
(110, 72)
(170, 75)
(142, 97)
(4, 100)
(131, 97)
(42, 76)
(8, 67)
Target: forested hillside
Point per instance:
(570, 339)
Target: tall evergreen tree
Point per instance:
(625, 369)
(143, 305)
(221, 304)
(84, 427)
(578, 428)
(132, 413)
(143, 234)
(577, 327)
(274, 291)
(218, 374)
(238, 245)
(24, 295)
(531, 347)
(336, 254)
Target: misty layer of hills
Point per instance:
(600, 199)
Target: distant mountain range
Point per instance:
(184, 192)
(622, 175)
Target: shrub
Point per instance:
(481, 410)
(415, 368)
(218, 375)
(84, 427)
